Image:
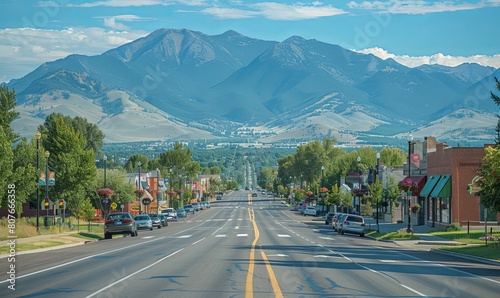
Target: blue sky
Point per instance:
(412, 32)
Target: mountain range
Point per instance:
(179, 84)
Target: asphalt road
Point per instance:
(246, 247)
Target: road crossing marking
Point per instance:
(283, 235)
(183, 236)
(220, 236)
(242, 235)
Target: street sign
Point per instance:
(114, 205)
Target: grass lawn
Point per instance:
(392, 236)
(492, 251)
(461, 236)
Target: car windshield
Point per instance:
(117, 216)
(141, 217)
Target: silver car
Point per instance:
(144, 222)
(119, 223)
(337, 221)
(353, 224)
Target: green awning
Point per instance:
(443, 187)
(429, 185)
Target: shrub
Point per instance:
(453, 227)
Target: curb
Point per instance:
(465, 256)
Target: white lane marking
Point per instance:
(327, 238)
(147, 237)
(388, 261)
(220, 236)
(278, 255)
(183, 236)
(236, 228)
(134, 273)
(324, 256)
(283, 235)
(242, 235)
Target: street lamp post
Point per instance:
(47, 154)
(139, 184)
(157, 190)
(410, 140)
(38, 136)
(105, 209)
(358, 207)
(374, 181)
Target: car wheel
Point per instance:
(159, 227)
(151, 228)
(107, 236)
(362, 235)
(341, 232)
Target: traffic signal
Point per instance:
(46, 204)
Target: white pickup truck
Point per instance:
(170, 213)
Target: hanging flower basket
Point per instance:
(323, 189)
(309, 193)
(105, 192)
(171, 192)
(407, 185)
(180, 191)
(415, 208)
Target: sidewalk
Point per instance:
(65, 238)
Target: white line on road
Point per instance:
(242, 235)
(132, 274)
(283, 235)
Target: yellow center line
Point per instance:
(272, 277)
(251, 265)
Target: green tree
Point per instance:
(179, 164)
(490, 181)
(392, 157)
(24, 174)
(72, 162)
(8, 113)
(376, 191)
(6, 163)
(392, 192)
(86, 211)
(496, 99)
(132, 164)
(123, 191)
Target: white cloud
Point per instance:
(24, 49)
(135, 3)
(419, 6)
(274, 11)
(116, 22)
(279, 11)
(439, 58)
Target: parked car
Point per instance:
(353, 224)
(144, 222)
(170, 213)
(310, 210)
(156, 220)
(181, 212)
(302, 204)
(329, 217)
(189, 208)
(119, 223)
(163, 220)
(254, 194)
(337, 221)
(196, 206)
(207, 203)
